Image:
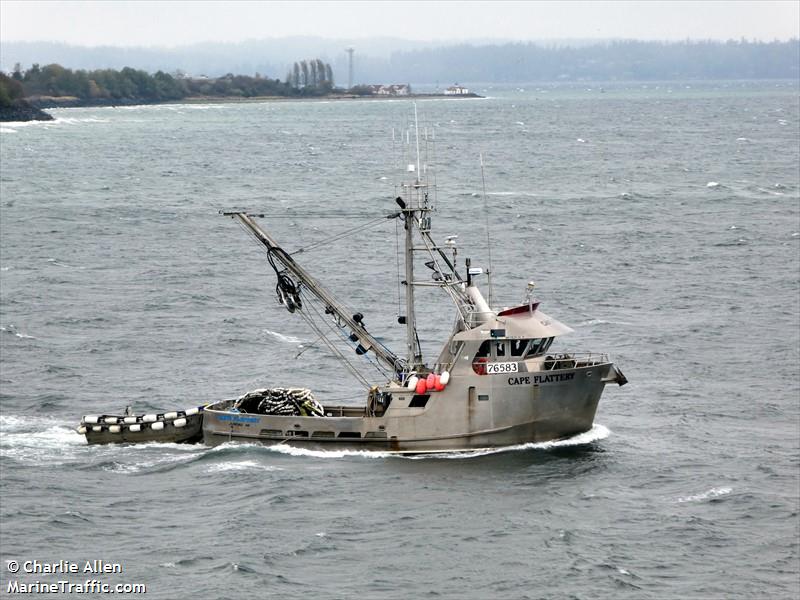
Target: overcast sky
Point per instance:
(167, 23)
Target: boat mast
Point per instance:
(414, 214)
(412, 352)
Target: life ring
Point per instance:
(479, 365)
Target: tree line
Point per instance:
(624, 60)
(128, 84)
(310, 74)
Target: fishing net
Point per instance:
(280, 401)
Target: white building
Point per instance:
(456, 90)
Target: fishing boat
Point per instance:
(494, 383)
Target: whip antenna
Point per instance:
(488, 235)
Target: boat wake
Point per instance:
(596, 433)
(45, 441)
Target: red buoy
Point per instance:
(422, 386)
(430, 381)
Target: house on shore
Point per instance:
(456, 90)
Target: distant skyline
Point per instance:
(170, 23)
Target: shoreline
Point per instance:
(72, 102)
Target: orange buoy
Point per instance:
(430, 381)
(422, 386)
(437, 384)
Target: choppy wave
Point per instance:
(712, 493)
(287, 339)
(13, 330)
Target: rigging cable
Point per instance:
(355, 372)
(343, 234)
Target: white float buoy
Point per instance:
(149, 419)
(90, 419)
(115, 429)
(157, 426)
(81, 429)
(135, 427)
(191, 411)
(97, 429)
(179, 422)
(129, 420)
(170, 416)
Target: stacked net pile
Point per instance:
(280, 401)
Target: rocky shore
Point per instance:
(22, 110)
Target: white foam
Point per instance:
(37, 441)
(597, 432)
(142, 465)
(712, 184)
(242, 465)
(712, 493)
(295, 451)
(287, 339)
(12, 329)
(526, 194)
(593, 322)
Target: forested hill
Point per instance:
(625, 60)
(392, 60)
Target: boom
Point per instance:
(332, 306)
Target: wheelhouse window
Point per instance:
(538, 346)
(518, 347)
(508, 349)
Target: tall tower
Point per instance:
(350, 51)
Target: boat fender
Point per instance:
(412, 382)
(437, 384)
(114, 429)
(97, 429)
(91, 419)
(191, 411)
(81, 430)
(430, 381)
(109, 420)
(135, 428)
(149, 419)
(179, 422)
(444, 377)
(129, 420)
(170, 416)
(157, 426)
(422, 386)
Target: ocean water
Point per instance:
(661, 221)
